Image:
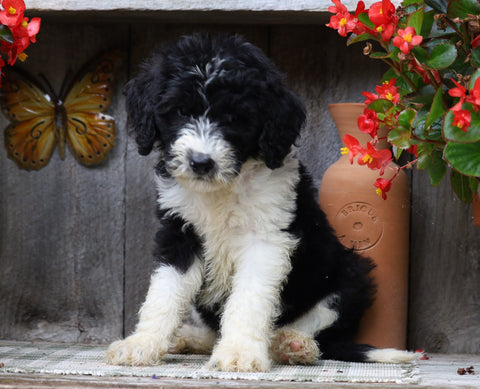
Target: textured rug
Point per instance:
(53, 358)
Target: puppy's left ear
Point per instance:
(284, 119)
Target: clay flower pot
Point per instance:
(476, 210)
(374, 227)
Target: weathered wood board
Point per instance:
(62, 228)
(76, 242)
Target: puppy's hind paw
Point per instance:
(136, 350)
(294, 347)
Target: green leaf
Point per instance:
(455, 134)
(438, 5)
(358, 38)
(442, 56)
(464, 157)
(381, 55)
(397, 151)
(461, 186)
(5, 34)
(406, 3)
(430, 159)
(462, 8)
(380, 105)
(406, 117)
(428, 19)
(415, 20)
(476, 57)
(475, 75)
(363, 17)
(437, 110)
(400, 137)
(420, 54)
(474, 185)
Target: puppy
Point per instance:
(248, 268)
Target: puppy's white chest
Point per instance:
(258, 206)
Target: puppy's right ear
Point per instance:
(142, 96)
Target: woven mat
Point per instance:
(50, 358)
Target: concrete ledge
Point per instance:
(220, 11)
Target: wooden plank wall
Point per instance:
(76, 242)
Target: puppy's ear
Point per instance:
(283, 122)
(142, 95)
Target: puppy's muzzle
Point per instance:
(201, 164)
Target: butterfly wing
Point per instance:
(90, 133)
(30, 138)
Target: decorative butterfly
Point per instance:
(40, 119)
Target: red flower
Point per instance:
(368, 122)
(474, 95)
(375, 159)
(12, 14)
(23, 33)
(386, 31)
(352, 146)
(462, 119)
(382, 13)
(406, 39)
(383, 186)
(413, 150)
(343, 21)
(476, 42)
(458, 91)
(389, 91)
(27, 29)
(371, 97)
(424, 74)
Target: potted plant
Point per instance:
(429, 99)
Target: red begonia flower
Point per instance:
(386, 31)
(389, 91)
(458, 91)
(474, 95)
(462, 119)
(368, 122)
(375, 159)
(413, 150)
(371, 97)
(352, 147)
(383, 186)
(342, 21)
(12, 13)
(381, 12)
(407, 39)
(476, 42)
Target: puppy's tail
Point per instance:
(352, 352)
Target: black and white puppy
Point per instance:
(243, 249)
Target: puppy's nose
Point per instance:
(201, 163)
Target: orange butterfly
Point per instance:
(40, 118)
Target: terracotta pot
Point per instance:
(476, 210)
(373, 227)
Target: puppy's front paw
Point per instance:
(136, 350)
(294, 347)
(239, 358)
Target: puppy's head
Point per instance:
(210, 103)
